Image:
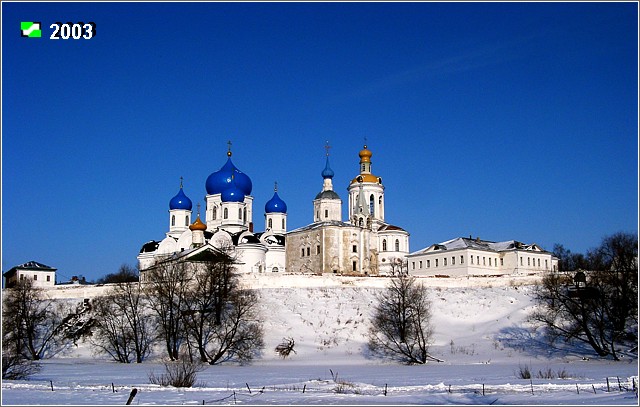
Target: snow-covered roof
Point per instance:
(461, 243)
(317, 225)
(30, 265)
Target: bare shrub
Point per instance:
(178, 373)
(546, 374)
(285, 347)
(524, 372)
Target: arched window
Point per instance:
(270, 225)
(245, 214)
(282, 223)
(215, 213)
(186, 220)
(384, 245)
(372, 205)
(173, 220)
(225, 213)
(397, 245)
(239, 213)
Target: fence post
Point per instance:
(608, 389)
(594, 389)
(619, 385)
(51, 381)
(113, 389)
(132, 395)
(248, 387)
(531, 381)
(577, 389)
(304, 388)
(385, 389)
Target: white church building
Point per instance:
(228, 225)
(364, 244)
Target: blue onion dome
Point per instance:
(232, 193)
(275, 205)
(180, 201)
(327, 172)
(220, 180)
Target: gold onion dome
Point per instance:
(365, 155)
(365, 166)
(198, 225)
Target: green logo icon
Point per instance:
(30, 29)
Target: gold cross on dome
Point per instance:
(327, 147)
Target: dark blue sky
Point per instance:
(499, 120)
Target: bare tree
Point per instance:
(126, 274)
(167, 284)
(598, 306)
(123, 327)
(220, 316)
(34, 320)
(15, 365)
(401, 326)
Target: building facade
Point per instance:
(365, 244)
(40, 274)
(476, 257)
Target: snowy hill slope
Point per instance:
(331, 323)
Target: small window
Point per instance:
(354, 248)
(48, 278)
(521, 261)
(428, 264)
(21, 277)
(302, 252)
(421, 263)
(239, 213)
(186, 220)
(445, 261)
(489, 261)
(354, 265)
(471, 259)
(546, 264)
(225, 213)
(35, 277)
(274, 270)
(318, 249)
(283, 224)
(384, 245)
(484, 261)
(215, 213)
(478, 260)
(326, 213)
(270, 224)
(528, 261)
(436, 262)
(397, 245)
(173, 220)
(502, 262)
(453, 261)
(413, 265)
(308, 251)
(461, 259)
(538, 262)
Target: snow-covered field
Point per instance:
(480, 333)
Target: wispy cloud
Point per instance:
(464, 60)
